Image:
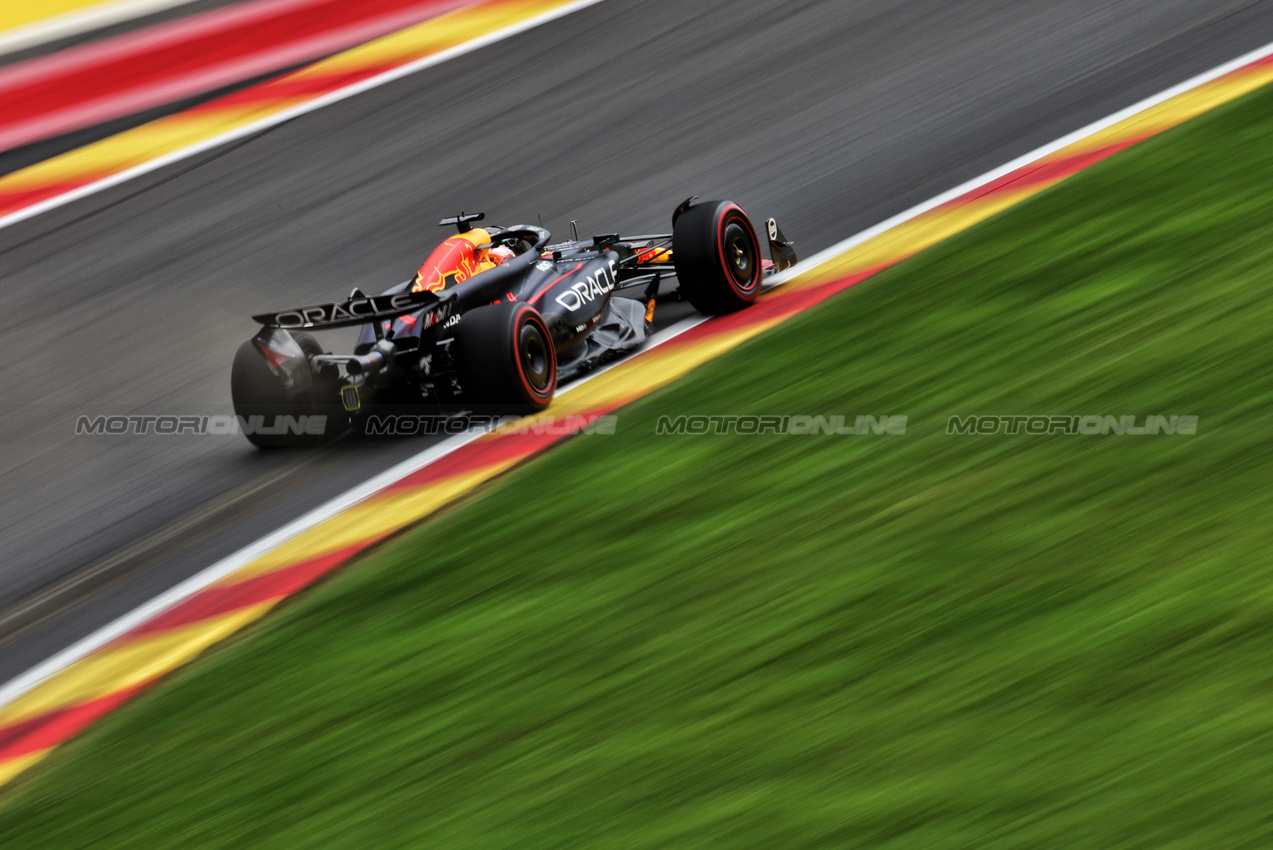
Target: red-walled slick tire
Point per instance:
(506, 360)
(717, 257)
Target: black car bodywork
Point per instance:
(500, 340)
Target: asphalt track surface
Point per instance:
(830, 116)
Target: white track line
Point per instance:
(228, 565)
(295, 112)
(1024, 160)
(42, 672)
(79, 21)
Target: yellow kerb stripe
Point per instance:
(914, 236)
(368, 520)
(433, 36)
(174, 133)
(1178, 109)
(11, 768)
(16, 13)
(121, 666)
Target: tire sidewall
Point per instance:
(529, 315)
(257, 391)
(732, 214)
(489, 359)
(702, 258)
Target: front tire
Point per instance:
(506, 359)
(717, 257)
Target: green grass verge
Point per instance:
(919, 641)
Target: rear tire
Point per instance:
(506, 359)
(717, 257)
(257, 391)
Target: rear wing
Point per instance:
(358, 311)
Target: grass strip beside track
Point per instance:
(904, 641)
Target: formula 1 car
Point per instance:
(493, 321)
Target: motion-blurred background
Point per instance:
(830, 116)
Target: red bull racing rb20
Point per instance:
(494, 320)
